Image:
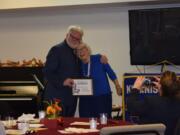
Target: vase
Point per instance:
(53, 121)
(50, 123)
(52, 116)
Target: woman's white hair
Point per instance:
(84, 45)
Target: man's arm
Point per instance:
(51, 67)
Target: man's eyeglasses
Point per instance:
(75, 38)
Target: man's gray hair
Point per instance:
(75, 28)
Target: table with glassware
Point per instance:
(67, 125)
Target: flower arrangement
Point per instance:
(53, 109)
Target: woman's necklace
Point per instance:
(87, 74)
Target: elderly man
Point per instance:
(61, 66)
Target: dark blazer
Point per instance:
(61, 63)
(155, 109)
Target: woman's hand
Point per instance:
(118, 90)
(157, 82)
(118, 87)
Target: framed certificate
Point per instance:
(82, 87)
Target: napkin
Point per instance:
(26, 117)
(77, 130)
(81, 123)
(14, 132)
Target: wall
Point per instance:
(30, 33)
(9, 4)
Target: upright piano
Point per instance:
(21, 90)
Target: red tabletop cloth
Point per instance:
(53, 126)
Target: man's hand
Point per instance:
(104, 59)
(68, 82)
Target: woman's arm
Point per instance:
(118, 87)
(113, 77)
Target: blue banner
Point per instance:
(147, 90)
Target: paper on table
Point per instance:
(77, 130)
(64, 132)
(81, 123)
(34, 121)
(38, 129)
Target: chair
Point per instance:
(177, 128)
(144, 129)
(116, 109)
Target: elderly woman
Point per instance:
(61, 66)
(101, 101)
(163, 108)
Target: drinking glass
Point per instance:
(103, 118)
(93, 123)
(23, 126)
(41, 114)
(9, 122)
